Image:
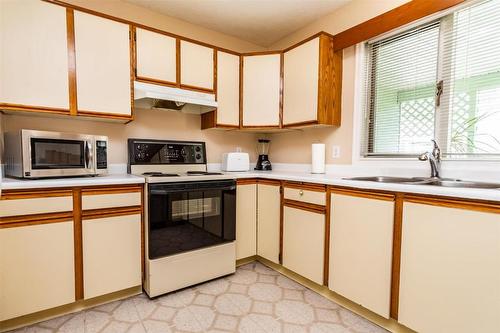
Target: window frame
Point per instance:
(363, 131)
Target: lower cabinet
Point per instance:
(450, 269)
(268, 221)
(361, 231)
(37, 268)
(111, 254)
(303, 242)
(246, 220)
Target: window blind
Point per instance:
(469, 113)
(437, 80)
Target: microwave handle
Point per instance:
(87, 154)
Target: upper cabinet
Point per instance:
(197, 66)
(33, 57)
(261, 90)
(156, 56)
(312, 83)
(103, 69)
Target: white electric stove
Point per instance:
(190, 214)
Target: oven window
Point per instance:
(57, 154)
(189, 220)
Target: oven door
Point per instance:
(187, 216)
(52, 154)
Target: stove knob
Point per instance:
(198, 149)
(198, 156)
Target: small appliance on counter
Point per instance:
(43, 154)
(263, 162)
(235, 161)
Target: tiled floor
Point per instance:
(255, 299)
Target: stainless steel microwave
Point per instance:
(40, 154)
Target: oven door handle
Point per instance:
(165, 192)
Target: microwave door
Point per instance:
(61, 156)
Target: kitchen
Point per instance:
(121, 209)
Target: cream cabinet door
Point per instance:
(450, 270)
(37, 269)
(111, 254)
(268, 221)
(361, 232)
(300, 83)
(246, 221)
(156, 56)
(33, 54)
(228, 89)
(103, 68)
(261, 90)
(304, 242)
(197, 66)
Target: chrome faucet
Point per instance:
(434, 159)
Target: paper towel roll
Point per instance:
(318, 158)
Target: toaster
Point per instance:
(235, 162)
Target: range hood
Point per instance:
(152, 96)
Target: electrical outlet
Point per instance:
(335, 151)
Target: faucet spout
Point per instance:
(434, 159)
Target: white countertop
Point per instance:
(327, 179)
(118, 179)
(336, 179)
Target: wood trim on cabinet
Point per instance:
(301, 124)
(215, 74)
(282, 85)
(34, 219)
(369, 194)
(329, 83)
(447, 202)
(33, 108)
(246, 181)
(70, 31)
(199, 89)
(113, 189)
(92, 214)
(133, 55)
(143, 237)
(397, 17)
(305, 186)
(241, 91)
(321, 33)
(396, 255)
(272, 182)
(209, 120)
(32, 193)
(178, 62)
(314, 208)
(107, 115)
(156, 81)
(78, 242)
(282, 206)
(326, 266)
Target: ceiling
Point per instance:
(262, 22)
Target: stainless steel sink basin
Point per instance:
(429, 181)
(463, 184)
(386, 179)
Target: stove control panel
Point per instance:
(166, 152)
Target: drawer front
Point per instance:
(110, 200)
(28, 206)
(298, 194)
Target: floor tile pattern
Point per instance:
(256, 299)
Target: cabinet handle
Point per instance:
(301, 192)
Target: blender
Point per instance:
(263, 162)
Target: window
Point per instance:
(438, 80)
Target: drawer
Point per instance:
(28, 203)
(296, 193)
(110, 200)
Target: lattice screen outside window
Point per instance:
(438, 80)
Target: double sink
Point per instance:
(442, 182)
